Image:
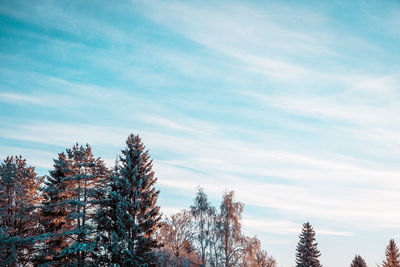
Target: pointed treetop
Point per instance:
(392, 255)
(307, 252)
(358, 261)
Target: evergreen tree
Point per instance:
(358, 262)
(105, 219)
(130, 213)
(71, 200)
(18, 213)
(392, 255)
(307, 252)
(54, 213)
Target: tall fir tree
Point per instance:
(54, 214)
(307, 253)
(130, 216)
(358, 262)
(18, 211)
(392, 255)
(71, 199)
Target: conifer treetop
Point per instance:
(392, 255)
(358, 261)
(307, 253)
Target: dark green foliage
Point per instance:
(358, 262)
(130, 215)
(72, 195)
(18, 214)
(307, 252)
(86, 215)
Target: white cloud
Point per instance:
(325, 188)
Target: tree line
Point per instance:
(85, 214)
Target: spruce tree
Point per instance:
(130, 215)
(307, 252)
(54, 214)
(392, 255)
(111, 232)
(71, 200)
(358, 262)
(18, 213)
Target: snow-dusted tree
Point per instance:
(254, 256)
(176, 236)
(201, 212)
(131, 214)
(18, 214)
(71, 199)
(231, 235)
(358, 262)
(392, 255)
(307, 252)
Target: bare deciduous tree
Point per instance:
(176, 236)
(231, 235)
(254, 256)
(201, 212)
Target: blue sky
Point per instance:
(292, 104)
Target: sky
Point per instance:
(294, 105)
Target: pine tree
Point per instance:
(307, 252)
(71, 200)
(54, 214)
(131, 214)
(105, 219)
(358, 262)
(18, 212)
(110, 218)
(392, 255)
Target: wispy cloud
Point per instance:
(228, 169)
(34, 157)
(292, 106)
